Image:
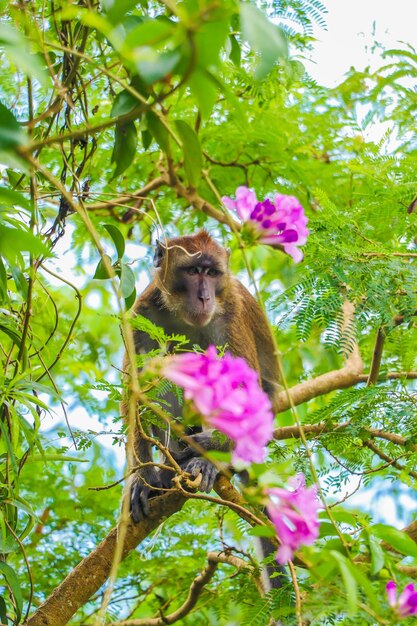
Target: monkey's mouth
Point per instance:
(198, 317)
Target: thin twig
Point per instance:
(388, 459)
(297, 593)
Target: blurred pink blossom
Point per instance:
(294, 515)
(280, 222)
(226, 392)
(406, 604)
(244, 204)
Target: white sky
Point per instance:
(352, 28)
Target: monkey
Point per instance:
(193, 293)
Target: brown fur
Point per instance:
(194, 294)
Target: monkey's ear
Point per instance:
(159, 254)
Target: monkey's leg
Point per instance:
(146, 483)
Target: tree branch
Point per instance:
(192, 197)
(127, 198)
(288, 432)
(363, 378)
(376, 357)
(238, 563)
(390, 461)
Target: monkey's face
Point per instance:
(192, 274)
(197, 288)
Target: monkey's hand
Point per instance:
(144, 486)
(204, 467)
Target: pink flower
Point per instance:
(294, 515)
(226, 392)
(244, 204)
(406, 604)
(280, 222)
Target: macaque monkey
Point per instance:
(194, 294)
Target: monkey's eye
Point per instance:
(213, 272)
(192, 270)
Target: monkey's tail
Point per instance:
(274, 575)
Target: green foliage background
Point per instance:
(140, 116)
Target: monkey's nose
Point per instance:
(204, 295)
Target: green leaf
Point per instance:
(213, 455)
(21, 504)
(3, 282)
(130, 300)
(209, 39)
(342, 516)
(146, 139)
(158, 130)
(323, 569)
(235, 52)
(144, 325)
(204, 90)
(3, 611)
(127, 280)
(117, 9)
(264, 37)
(327, 529)
(11, 133)
(149, 33)
(377, 555)
(399, 540)
(193, 159)
(348, 579)
(124, 150)
(9, 197)
(13, 582)
(152, 66)
(56, 457)
(16, 48)
(20, 281)
(101, 272)
(16, 240)
(14, 335)
(117, 237)
(124, 102)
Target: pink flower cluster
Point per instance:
(226, 392)
(406, 604)
(279, 222)
(294, 515)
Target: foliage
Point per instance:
(124, 120)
